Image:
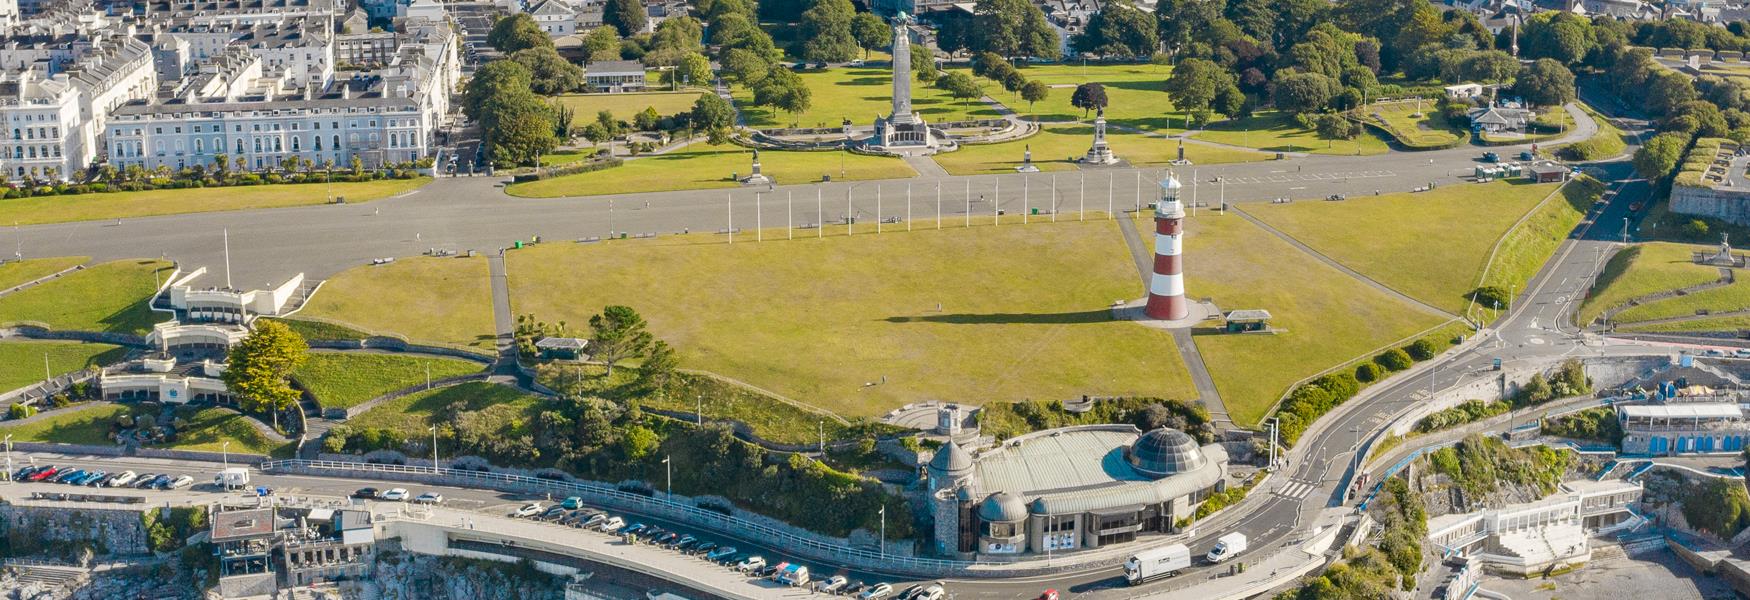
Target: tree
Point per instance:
(782, 89)
(258, 369)
(1665, 90)
(618, 333)
(638, 442)
(601, 43)
(549, 73)
(1394, 359)
(1119, 30)
(1088, 96)
(492, 80)
(871, 33)
(826, 31)
(746, 66)
(693, 69)
(1336, 127)
(959, 85)
(1656, 158)
(625, 16)
(1196, 83)
(646, 119)
(517, 32)
(1035, 91)
(1489, 66)
(1546, 82)
(923, 63)
(519, 128)
(658, 367)
(1303, 92)
(1558, 35)
(710, 112)
(1013, 28)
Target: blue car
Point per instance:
(87, 477)
(68, 475)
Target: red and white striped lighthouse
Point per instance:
(1166, 289)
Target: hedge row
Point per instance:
(1313, 399)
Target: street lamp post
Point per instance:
(9, 457)
(668, 472)
(883, 540)
(434, 456)
(224, 452)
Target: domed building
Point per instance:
(1069, 489)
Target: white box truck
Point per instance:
(1156, 563)
(232, 478)
(1227, 547)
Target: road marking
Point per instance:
(1295, 489)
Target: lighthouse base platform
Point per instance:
(1199, 311)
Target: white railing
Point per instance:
(819, 549)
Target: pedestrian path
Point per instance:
(502, 319)
(1321, 257)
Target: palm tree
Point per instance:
(223, 161)
(106, 173)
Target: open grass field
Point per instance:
(107, 297)
(1136, 95)
(319, 330)
(21, 362)
(127, 205)
(565, 157)
(1278, 132)
(19, 272)
(1722, 299)
(1732, 323)
(703, 166)
(89, 424)
(513, 410)
(1429, 245)
(1644, 269)
(625, 106)
(859, 94)
(1055, 148)
(347, 379)
(1429, 130)
(1527, 247)
(1327, 318)
(209, 428)
(858, 325)
(441, 300)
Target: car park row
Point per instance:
(96, 478)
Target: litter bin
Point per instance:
(518, 245)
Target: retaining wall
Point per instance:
(1730, 205)
(119, 451)
(115, 530)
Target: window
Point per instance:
(257, 144)
(318, 140)
(294, 144)
(200, 146)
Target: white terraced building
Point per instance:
(1532, 537)
(42, 125)
(191, 348)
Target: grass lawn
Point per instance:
(347, 379)
(89, 424)
(625, 106)
(1056, 147)
(1730, 298)
(443, 300)
(1527, 247)
(1645, 269)
(565, 157)
(107, 297)
(1428, 131)
(127, 205)
(20, 272)
(1278, 132)
(703, 166)
(1732, 323)
(318, 330)
(21, 362)
(858, 94)
(1429, 245)
(852, 324)
(1136, 95)
(209, 428)
(412, 414)
(1328, 317)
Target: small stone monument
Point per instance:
(756, 178)
(948, 420)
(1100, 153)
(1027, 162)
(1180, 160)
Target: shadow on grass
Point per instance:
(1066, 318)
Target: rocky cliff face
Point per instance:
(33, 529)
(402, 576)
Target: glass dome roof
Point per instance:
(1164, 452)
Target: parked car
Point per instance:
(910, 592)
(63, 476)
(141, 481)
(528, 510)
(879, 591)
(102, 480)
(768, 570)
(553, 513)
(162, 482)
(653, 532)
(635, 529)
(369, 493)
(751, 564)
(1741, 353)
(180, 482)
(23, 474)
(722, 553)
(702, 548)
(572, 503)
(612, 525)
(90, 477)
(852, 589)
(429, 498)
(44, 473)
(666, 539)
(1048, 595)
(933, 592)
(596, 520)
(124, 478)
(395, 495)
(831, 585)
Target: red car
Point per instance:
(1048, 595)
(44, 474)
